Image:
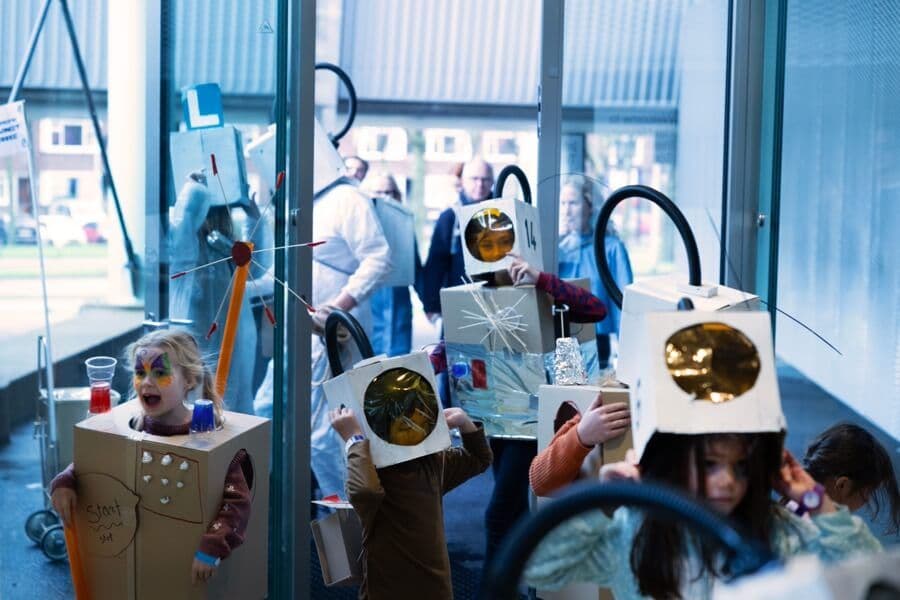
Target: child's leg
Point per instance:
(509, 501)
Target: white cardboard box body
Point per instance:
(328, 164)
(133, 546)
(349, 389)
(658, 404)
(551, 397)
(399, 228)
(527, 243)
(662, 293)
(191, 152)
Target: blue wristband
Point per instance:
(206, 558)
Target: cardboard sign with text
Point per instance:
(396, 403)
(192, 151)
(144, 502)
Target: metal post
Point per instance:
(32, 44)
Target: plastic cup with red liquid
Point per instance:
(100, 370)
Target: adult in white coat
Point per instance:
(346, 270)
(200, 232)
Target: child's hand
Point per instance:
(795, 482)
(344, 422)
(521, 272)
(201, 571)
(603, 422)
(64, 500)
(458, 419)
(626, 470)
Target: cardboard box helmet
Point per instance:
(659, 293)
(328, 166)
(492, 228)
(703, 373)
(395, 399)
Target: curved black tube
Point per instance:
(340, 317)
(519, 174)
(351, 94)
(668, 207)
(745, 556)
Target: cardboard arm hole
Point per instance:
(565, 413)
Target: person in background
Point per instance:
(391, 306)
(576, 253)
(856, 470)
(356, 168)
(444, 266)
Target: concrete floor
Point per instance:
(26, 573)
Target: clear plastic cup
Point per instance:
(100, 371)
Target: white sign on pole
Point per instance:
(13, 131)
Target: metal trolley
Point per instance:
(44, 527)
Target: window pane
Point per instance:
(643, 103)
(73, 135)
(838, 243)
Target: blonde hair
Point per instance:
(185, 354)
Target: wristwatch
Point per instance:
(352, 440)
(811, 499)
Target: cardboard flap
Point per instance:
(105, 514)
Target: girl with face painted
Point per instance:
(167, 366)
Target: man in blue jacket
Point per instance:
(444, 265)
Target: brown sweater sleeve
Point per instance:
(66, 478)
(560, 462)
(364, 489)
(227, 530)
(461, 464)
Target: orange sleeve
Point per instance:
(560, 462)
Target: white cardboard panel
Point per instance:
(658, 404)
(349, 389)
(398, 224)
(190, 151)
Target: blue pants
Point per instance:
(509, 501)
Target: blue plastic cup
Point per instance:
(203, 419)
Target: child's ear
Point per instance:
(843, 485)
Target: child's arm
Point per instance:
(226, 532)
(560, 462)
(473, 458)
(62, 494)
(364, 489)
(584, 307)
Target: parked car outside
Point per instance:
(56, 230)
(88, 215)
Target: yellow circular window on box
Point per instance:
(401, 407)
(712, 361)
(490, 235)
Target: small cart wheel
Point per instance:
(38, 523)
(54, 543)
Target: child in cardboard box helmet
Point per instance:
(698, 430)
(490, 235)
(167, 366)
(400, 505)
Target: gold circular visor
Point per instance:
(712, 361)
(490, 235)
(401, 407)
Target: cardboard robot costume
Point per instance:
(659, 293)
(144, 501)
(395, 398)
